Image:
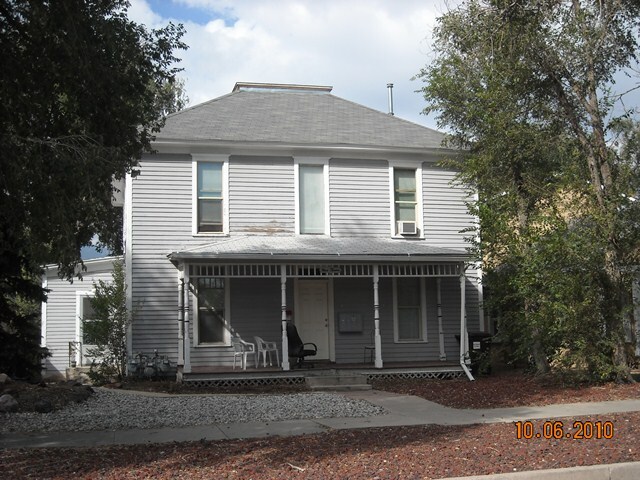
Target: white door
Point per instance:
(312, 317)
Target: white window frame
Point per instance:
(312, 161)
(80, 296)
(423, 312)
(403, 165)
(227, 318)
(212, 158)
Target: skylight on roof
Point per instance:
(280, 87)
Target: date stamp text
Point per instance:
(557, 430)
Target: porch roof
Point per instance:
(319, 248)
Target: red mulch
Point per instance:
(507, 389)
(384, 453)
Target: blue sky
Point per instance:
(184, 12)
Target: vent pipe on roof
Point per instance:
(390, 89)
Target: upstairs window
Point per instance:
(210, 198)
(405, 197)
(311, 198)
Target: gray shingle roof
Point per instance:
(297, 117)
(311, 247)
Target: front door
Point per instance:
(312, 317)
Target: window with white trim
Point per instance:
(213, 312)
(87, 314)
(311, 198)
(410, 316)
(405, 200)
(311, 179)
(210, 216)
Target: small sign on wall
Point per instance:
(349, 322)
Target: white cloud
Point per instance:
(356, 46)
(141, 12)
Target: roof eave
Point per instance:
(169, 145)
(177, 257)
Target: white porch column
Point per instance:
(464, 337)
(187, 335)
(376, 318)
(283, 303)
(181, 288)
(443, 355)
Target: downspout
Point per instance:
(463, 326)
(283, 306)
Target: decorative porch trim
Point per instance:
(433, 375)
(247, 382)
(295, 380)
(274, 270)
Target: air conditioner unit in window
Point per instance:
(407, 228)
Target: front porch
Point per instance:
(396, 301)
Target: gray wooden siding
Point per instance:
(445, 212)
(359, 198)
(61, 316)
(353, 295)
(161, 224)
(261, 195)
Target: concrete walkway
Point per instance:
(402, 410)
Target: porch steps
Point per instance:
(337, 383)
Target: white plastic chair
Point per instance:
(265, 348)
(242, 349)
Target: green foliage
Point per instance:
(82, 89)
(524, 89)
(21, 354)
(79, 104)
(108, 328)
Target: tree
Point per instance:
(80, 94)
(524, 88)
(21, 353)
(107, 328)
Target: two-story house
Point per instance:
(285, 203)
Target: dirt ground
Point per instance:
(383, 453)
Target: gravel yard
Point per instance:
(117, 410)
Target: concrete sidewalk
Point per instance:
(402, 410)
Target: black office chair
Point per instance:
(297, 347)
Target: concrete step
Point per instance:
(337, 383)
